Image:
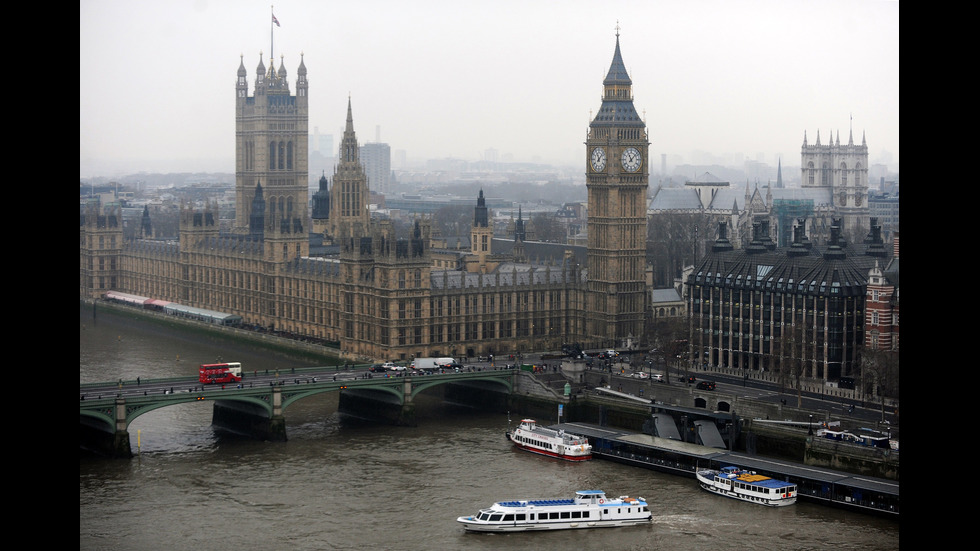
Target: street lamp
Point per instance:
(810, 431)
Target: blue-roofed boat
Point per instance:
(588, 509)
(528, 436)
(747, 486)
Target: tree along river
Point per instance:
(346, 483)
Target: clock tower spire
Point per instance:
(617, 178)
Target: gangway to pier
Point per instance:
(616, 393)
(665, 427)
(709, 436)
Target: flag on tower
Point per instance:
(276, 21)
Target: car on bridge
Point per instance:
(389, 366)
(706, 385)
(377, 368)
(640, 375)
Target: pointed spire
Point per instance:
(617, 69)
(350, 118)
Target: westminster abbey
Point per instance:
(382, 297)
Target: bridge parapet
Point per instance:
(109, 408)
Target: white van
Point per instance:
(432, 364)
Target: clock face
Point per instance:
(598, 159)
(631, 159)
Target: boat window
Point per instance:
(531, 516)
(483, 516)
(576, 514)
(508, 518)
(566, 514)
(495, 518)
(520, 516)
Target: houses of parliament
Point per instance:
(388, 296)
(383, 297)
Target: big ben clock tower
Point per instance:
(617, 177)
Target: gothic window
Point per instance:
(810, 172)
(289, 156)
(282, 154)
(825, 175)
(843, 174)
(418, 279)
(272, 155)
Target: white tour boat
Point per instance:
(588, 509)
(747, 486)
(553, 443)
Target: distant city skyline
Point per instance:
(435, 79)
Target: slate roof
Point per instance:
(660, 296)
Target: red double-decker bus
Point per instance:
(220, 373)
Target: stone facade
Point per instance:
(381, 297)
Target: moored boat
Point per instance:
(747, 486)
(530, 437)
(588, 509)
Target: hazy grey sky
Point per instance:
(452, 78)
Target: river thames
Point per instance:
(345, 483)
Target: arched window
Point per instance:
(289, 156)
(272, 155)
(843, 174)
(825, 175)
(282, 155)
(811, 172)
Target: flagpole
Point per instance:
(272, 52)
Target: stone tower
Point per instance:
(349, 216)
(617, 177)
(481, 234)
(271, 146)
(843, 170)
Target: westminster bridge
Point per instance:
(256, 405)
